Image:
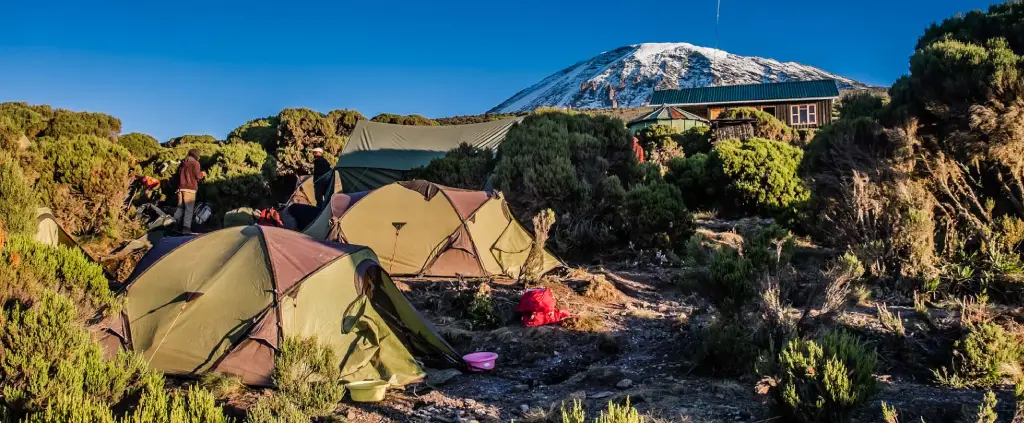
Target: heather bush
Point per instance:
(414, 120)
(822, 381)
(17, 211)
(65, 270)
(694, 177)
(660, 143)
(985, 356)
(142, 146)
(191, 139)
(767, 126)
(726, 348)
(308, 379)
(262, 131)
(21, 119)
(463, 167)
(861, 104)
(84, 179)
(469, 119)
(577, 165)
(657, 216)
(299, 132)
(344, 120)
(66, 123)
(760, 176)
(696, 140)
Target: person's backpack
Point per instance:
(539, 308)
(270, 217)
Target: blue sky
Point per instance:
(171, 68)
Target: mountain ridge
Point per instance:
(628, 75)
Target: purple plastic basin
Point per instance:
(480, 361)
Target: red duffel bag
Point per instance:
(538, 308)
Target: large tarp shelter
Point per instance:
(377, 154)
(226, 301)
(424, 229)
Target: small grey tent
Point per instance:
(378, 154)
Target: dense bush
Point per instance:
(65, 270)
(696, 140)
(760, 176)
(344, 120)
(262, 131)
(299, 132)
(861, 104)
(22, 119)
(822, 381)
(191, 139)
(415, 120)
(66, 123)
(463, 167)
(577, 165)
(142, 146)
(468, 119)
(309, 384)
(657, 216)
(85, 179)
(767, 127)
(660, 143)
(237, 174)
(694, 177)
(17, 201)
(984, 357)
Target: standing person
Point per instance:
(321, 167)
(188, 176)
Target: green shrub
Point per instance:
(262, 131)
(345, 120)
(983, 357)
(822, 381)
(17, 201)
(478, 308)
(299, 132)
(66, 123)
(85, 179)
(62, 269)
(696, 140)
(21, 119)
(142, 146)
(694, 177)
(576, 414)
(615, 413)
(576, 165)
(469, 119)
(308, 376)
(729, 283)
(760, 176)
(275, 409)
(415, 120)
(657, 216)
(767, 127)
(725, 348)
(463, 167)
(661, 143)
(861, 104)
(191, 139)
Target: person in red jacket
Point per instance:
(188, 176)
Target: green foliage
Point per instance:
(66, 123)
(694, 177)
(725, 348)
(345, 120)
(987, 409)
(17, 210)
(142, 146)
(1001, 20)
(576, 414)
(729, 283)
(275, 409)
(658, 216)
(469, 119)
(861, 104)
(478, 308)
(302, 130)
(308, 379)
(191, 139)
(21, 119)
(193, 405)
(463, 167)
(65, 270)
(577, 165)
(237, 174)
(221, 385)
(760, 176)
(615, 413)
(84, 179)
(696, 140)
(983, 357)
(822, 381)
(767, 127)
(262, 131)
(414, 120)
(660, 143)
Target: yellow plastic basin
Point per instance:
(367, 390)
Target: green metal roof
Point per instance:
(825, 88)
(667, 113)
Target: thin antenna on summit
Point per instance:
(715, 79)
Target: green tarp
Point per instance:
(377, 154)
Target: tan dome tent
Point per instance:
(305, 192)
(377, 154)
(49, 232)
(226, 301)
(424, 229)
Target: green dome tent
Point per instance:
(424, 229)
(225, 302)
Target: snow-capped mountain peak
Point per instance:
(626, 76)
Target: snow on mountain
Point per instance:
(630, 74)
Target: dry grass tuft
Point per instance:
(891, 323)
(600, 289)
(222, 385)
(586, 322)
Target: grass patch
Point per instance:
(586, 322)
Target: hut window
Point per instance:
(769, 109)
(804, 114)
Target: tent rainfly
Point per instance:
(227, 300)
(424, 229)
(377, 154)
(49, 231)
